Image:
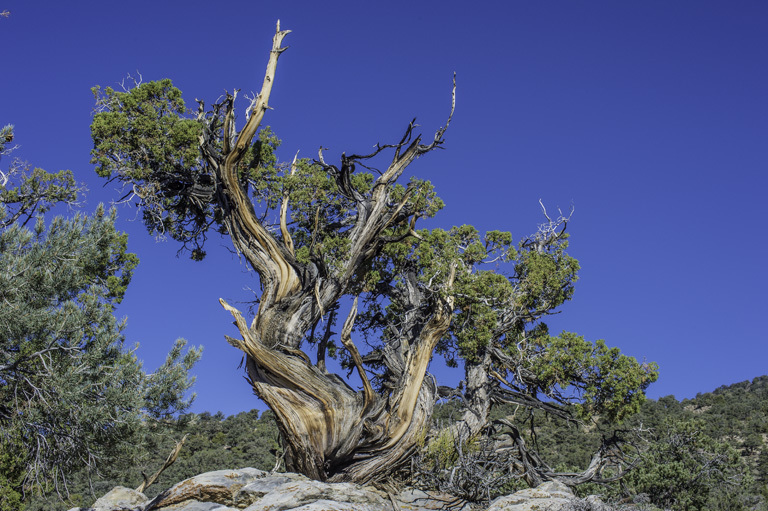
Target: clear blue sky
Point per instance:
(649, 117)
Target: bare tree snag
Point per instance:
(330, 430)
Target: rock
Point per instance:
(327, 505)
(220, 487)
(256, 490)
(596, 504)
(556, 489)
(418, 500)
(120, 499)
(196, 505)
(253, 492)
(249, 489)
(551, 495)
(308, 495)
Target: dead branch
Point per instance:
(284, 212)
(168, 462)
(346, 340)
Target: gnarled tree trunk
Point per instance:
(330, 431)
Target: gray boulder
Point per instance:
(120, 498)
(551, 496)
(253, 492)
(309, 495)
(220, 487)
(249, 489)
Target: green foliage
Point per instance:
(546, 276)
(72, 395)
(71, 391)
(609, 383)
(441, 451)
(11, 472)
(685, 469)
(143, 135)
(6, 136)
(153, 132)
(35, 193)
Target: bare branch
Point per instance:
(250, 237)
(168, 462)
(284, 212)
(261, 104)
(346, 340)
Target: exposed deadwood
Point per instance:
(250, 237)
(346, 339)
(330, 430)
(284, 213)
(316, 414)
(168, 462)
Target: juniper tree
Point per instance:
(338, 255)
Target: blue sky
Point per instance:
(650, 118)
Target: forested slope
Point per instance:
(709, 452)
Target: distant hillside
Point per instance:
(714, 448)
(735, 416)
(738, 414)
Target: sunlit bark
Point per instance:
(330, 431)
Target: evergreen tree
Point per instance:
(72, 394)
(685, 469)
(322, 236)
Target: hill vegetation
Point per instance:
(709, 452)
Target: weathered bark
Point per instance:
(477, 398)
(330, 431)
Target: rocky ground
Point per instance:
(249, 489)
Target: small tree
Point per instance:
(684, 468)
(333, 241)
(71, 395)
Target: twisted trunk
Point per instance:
(329, 430)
